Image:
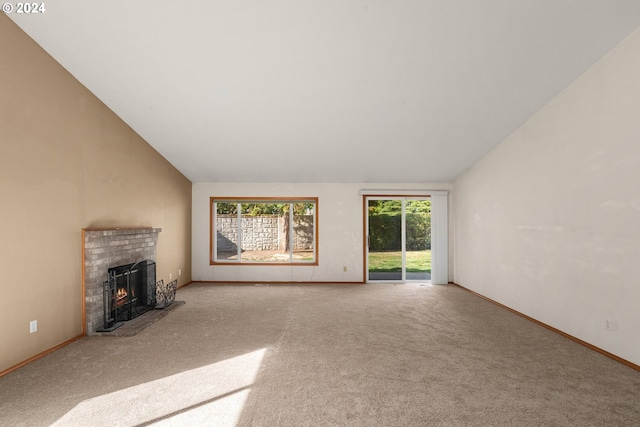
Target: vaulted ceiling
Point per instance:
(327, 90)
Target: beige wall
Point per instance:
(67, 162)
(340, 230)
(549, 222)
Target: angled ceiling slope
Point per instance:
(327, 91)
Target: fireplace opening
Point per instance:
(129, 291)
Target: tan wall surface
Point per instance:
(67, 162)
(548, 223)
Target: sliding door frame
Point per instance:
(439, 228)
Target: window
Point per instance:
(264, 231)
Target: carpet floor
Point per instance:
(325, 355)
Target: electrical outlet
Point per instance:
(179, 272)
(33, 326)
(344, 268)
(170, 276)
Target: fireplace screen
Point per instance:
(129, 291)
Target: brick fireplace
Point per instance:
(106, 248)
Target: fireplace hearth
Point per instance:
(103, 250)
(129, 292)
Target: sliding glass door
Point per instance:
(398, 239)
(417, 218)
